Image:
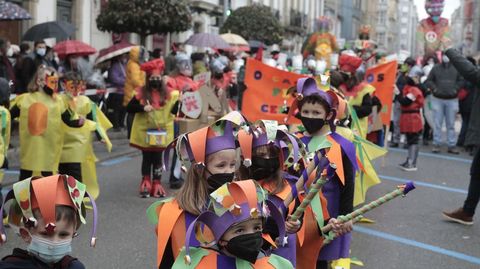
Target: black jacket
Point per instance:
(472, 74)
(444, 81)
(21, 259)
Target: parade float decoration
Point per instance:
(432, 30)
(322, 44)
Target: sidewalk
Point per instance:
(120, 148)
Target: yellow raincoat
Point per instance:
(41, 133)
(144, 121)
(357, 101)
(135, 77)
(78, 142)
(4, 136)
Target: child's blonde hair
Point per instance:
(41, 72)
(193, 195)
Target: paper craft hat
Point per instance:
(306, 87)
(195, 146)
(154, 67)
(233, 203)
(349, 63)
(267, 132)
(45, 194)
(339, 103)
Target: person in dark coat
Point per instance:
(466, 97)
(471, 73)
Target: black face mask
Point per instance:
(215, 181)
(246, 246)
(263, 168)
(47, 90)
(312, 125)
(155, 84)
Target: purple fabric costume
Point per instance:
(340, 246)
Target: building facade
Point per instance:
(386, 26)
(407, 26)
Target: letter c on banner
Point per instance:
(264, 108)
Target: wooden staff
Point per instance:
(401, 190)
(314, 189)
(329, 239)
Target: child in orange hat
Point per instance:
(152, 130)
(50, 210)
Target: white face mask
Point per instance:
(445, 59)
(41, 51)
(49, 251)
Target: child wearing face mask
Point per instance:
(317, 113)
(48, 212)
(211, 158)
(236, 218)
(78, 158)
(41, 113)
(411, 100)
(263, 160)
(154, 108)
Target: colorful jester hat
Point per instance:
(349, 63)
(268, 132)
(339, 103)
(195, 146)
(307, 87)
(45, 194)
(233, 203)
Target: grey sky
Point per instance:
(450, 6)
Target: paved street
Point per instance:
(409, 232)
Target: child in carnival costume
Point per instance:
(316, 111)
(5, 123)
(236, 218)
(180, 79)
(152, 129)
(78, 158)
(267, 150)
(48, 212)
(366, 151)
(359, 93)
(411, 123)
(40, 113)
(211, 158)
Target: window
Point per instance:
(403, 31)
(381, 18)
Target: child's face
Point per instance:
(246, 227)
(63, 230)
(222, 162)
(313, 111)
(74, 87)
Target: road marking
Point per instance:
(115, 161)
(423, 184)
(11, 172)
(433, 155)
(409, 242)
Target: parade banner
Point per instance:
(382, 77)
(267, 92)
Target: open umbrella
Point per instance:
(234, 39)
(113, 51)
(58, 29)
(207, 40)
(12, 12)
(255, 44)
(73, 47)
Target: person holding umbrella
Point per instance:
(30, 65)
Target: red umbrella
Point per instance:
(73, 47)
(113, 51)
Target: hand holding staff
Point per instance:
(314, 189)
(304, 177)
(401, 190)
